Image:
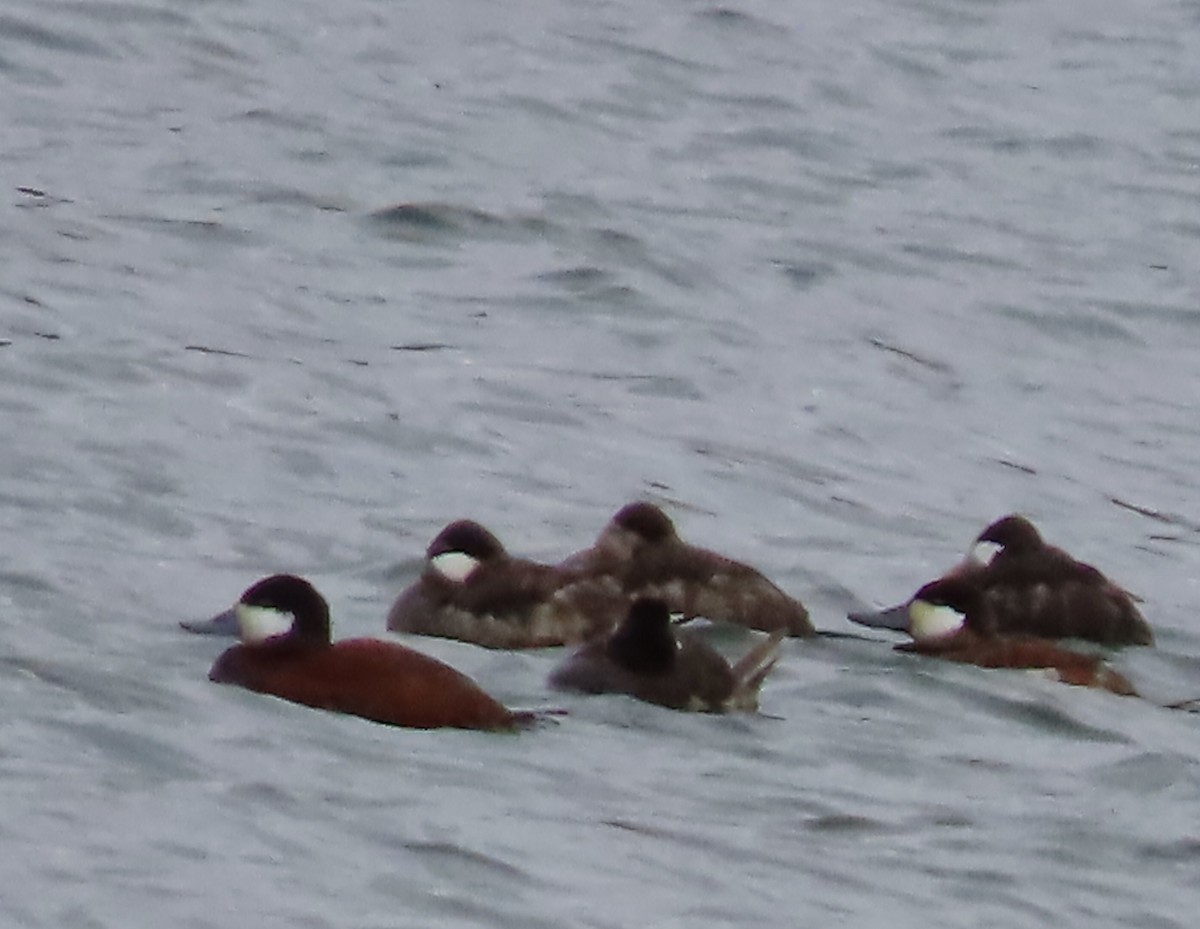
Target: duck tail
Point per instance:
(532, 719)
(752, 668)
(1113, 680)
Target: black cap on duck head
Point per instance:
(1013, 533)
(941, 608)
(469, 538)
(644, 643)
(952, 591)
(283, 605)
(645, 520)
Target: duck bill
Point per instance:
(222, 624)
(895, 617)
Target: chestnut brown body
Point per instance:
(286, 651)
(376, 680)
(990, 651)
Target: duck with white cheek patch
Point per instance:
(942, 618)
(473, 590)
(286, 651)
(1017, 584)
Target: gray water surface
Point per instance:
(287, 286)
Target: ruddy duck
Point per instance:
(644, 555)
(286, 651)
(473, 590)
(1019, 584)
(943, 620)
(645, 658)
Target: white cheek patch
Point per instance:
(932, 622)
(454, 566)
(983, 552)
(259, 623)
